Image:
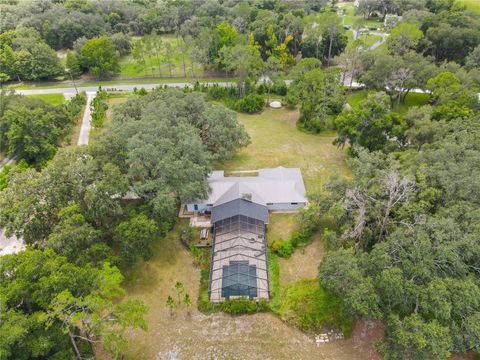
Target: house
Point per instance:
(238, 204)
(279, 189)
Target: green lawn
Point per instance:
(412, 99)
(103, 83)
(351, 19)
(276, 141)
(354, 98)
(54, 99)
(130, 67)
(369, 39)
(281, 226)
(473, 5)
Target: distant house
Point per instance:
(238, 205)
(279, 189)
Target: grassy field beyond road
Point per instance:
(54, 99)
(169, 66)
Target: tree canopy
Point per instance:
(406, 233)
(100, 58)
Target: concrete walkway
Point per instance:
(86, 121)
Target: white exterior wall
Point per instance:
(285, 206)
(272, 207)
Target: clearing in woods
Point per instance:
(188, 334)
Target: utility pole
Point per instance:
(73, 81)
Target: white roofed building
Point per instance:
(237, 206)
(279, 189)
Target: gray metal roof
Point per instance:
(239, 207)
(278, 185)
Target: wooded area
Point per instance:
(398, 220)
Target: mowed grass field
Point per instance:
(131, 67)
(350, 18)
(368, 39)
(54, 99)
(276, 141)
(412, 99)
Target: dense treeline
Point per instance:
(229, 36)
(404, 247)
(248, 38)
(78, 215)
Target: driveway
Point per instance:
(86, 121)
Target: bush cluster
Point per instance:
(253, 100)
(301, 237)
(244, 306)
(278, 88)
(251, 104)
(99, 107)
(75, 105)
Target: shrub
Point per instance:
(262, 89)
(251, 104)
(243, 306)
(75, 105)
(290, 101)
(216, 92)
(279, 88)
(283, 248)
(99, 109)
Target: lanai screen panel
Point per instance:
(239, 259)
(239, 279)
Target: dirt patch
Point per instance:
(364, 335)
(291, 117)
(219, 336)
(303, 264)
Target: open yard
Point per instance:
(351, 19)
(276, 141)
(189, 334)
(219, 336)
(412, 99)
(473, 5)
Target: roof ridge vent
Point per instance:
(246, 196)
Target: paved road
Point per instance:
(374, 45)
(113, 87)
(379, 42)
(68, 92)
(86, 121)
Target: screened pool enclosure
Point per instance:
(239, 259)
